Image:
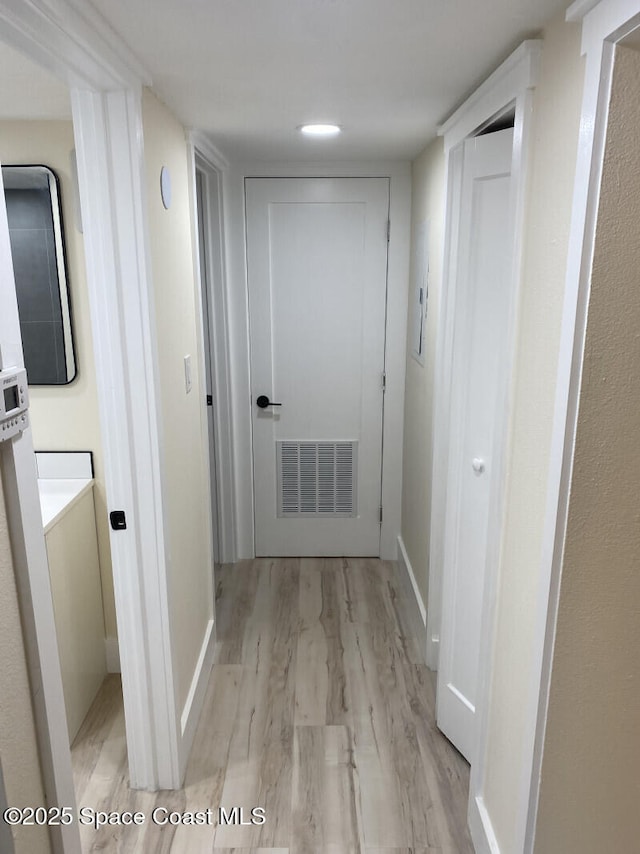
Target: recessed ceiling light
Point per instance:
(320, 130)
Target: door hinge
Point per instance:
(388, 230)
(381, 514)
(209, 400)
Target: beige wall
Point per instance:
(590, 787)
(186, 476)
(65, 418)
(557, 103)
(428, 184)
(18, 751)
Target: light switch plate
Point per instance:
(187, 374)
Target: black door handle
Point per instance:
(263, 401)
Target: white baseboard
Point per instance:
(404, 560)
(112, 651)
(195, 697)
(482, 833)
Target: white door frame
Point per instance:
(399, 174)
(604, 24)
(511, 85)
(205, 158)
(106, 86)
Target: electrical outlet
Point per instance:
(188, 383)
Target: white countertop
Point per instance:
(58, 495)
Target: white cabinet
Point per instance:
(74, 568)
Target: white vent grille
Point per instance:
(316, 478)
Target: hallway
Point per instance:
(318, 710)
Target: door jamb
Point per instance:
(204, 157)
(511, 84)
(106, 84)
(604, 24)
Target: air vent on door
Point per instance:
(316, 478)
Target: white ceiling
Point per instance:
(29, 92)
(248, 72)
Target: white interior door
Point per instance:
(317, 262)
(480, 347)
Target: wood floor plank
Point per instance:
(324, 804)
(250, 851)
(109, 792)
(411, 633)
(105, 712)
(320, 667)
(236, 586)
(420, 850)
(207, 766)
(259, 781)
(109, 769)
(447, 772)
(259, 765)
(370, 683)
(366, 592)
(329, 849)
(392, 767)
(259, 626)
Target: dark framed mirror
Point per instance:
(37, 247)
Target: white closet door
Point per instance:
(480, 347)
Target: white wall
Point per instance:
(183, 442)
(18, 747)
(589, 785)
(557, 102)
(65, 418)
(427, 204)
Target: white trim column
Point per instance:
(108, 129)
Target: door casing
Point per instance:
(396, 330)
(209, 163)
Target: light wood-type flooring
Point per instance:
(318, 710)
